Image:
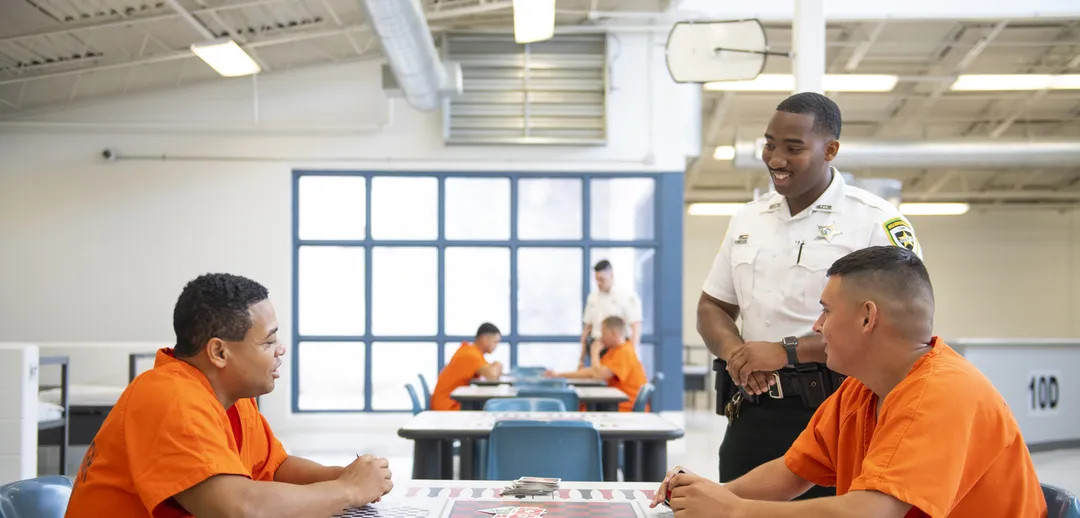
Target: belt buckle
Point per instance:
(779, 393)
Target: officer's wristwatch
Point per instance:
(790, 343)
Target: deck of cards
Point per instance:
(515, 512)
(532, 486)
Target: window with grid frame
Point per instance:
(393, 271)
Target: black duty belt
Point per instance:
(811, 382)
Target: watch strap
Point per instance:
(790, 344)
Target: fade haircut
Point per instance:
(896, 280)
(604, 264)
(487, 329)
(825, 112)
(214, 305)
(615, 324)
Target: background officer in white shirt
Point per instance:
(770, 270)
(605, 302)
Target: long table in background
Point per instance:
(466, 498)
(598, 399)
(510, 380)
(433, 434)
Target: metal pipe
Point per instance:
(190, 19)
(950, 154)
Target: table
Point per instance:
(473, 397)
(510, 380)
(464, 499)
(696, 379)
(433, 434)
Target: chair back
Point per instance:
(416, 407)
(524, 404)
(41, 497)
(541, 383)
(657, 378)
(567, 395)
(524, 448)
(427, 391)
(529, 372)
(1060, 503)
(644, 397)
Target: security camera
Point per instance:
(110, 154)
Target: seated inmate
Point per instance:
(467, 364)
(914, 431)
(613, 358)
(186, 439)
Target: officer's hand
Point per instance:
(758, 383)
(661, 493)
(693, 496)
(754, 357)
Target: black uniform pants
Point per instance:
(762, 432)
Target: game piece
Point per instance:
(667, 495)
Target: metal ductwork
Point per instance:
(948, 154)
(406, 40)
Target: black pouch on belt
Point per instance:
(725, 386)
(814, 384)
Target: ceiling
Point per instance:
(48, 48)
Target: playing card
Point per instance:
(539, 480)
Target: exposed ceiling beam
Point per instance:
(126, 22)
(864, 10)
(291, 38)
(962, 65)
(864, 47)
(1004, 126)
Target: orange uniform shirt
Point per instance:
(167, 433)
(461, 369)
(629, 374)
(945, 442)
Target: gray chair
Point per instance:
(1060, 503)
(41, 497)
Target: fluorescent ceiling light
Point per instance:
(724, 153)
(1011, 82)
(830, 83)
(933, 209)
(714, 209)
(226, 57)
(534, 20)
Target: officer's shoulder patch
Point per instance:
(900, 233)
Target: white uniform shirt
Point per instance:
(772, 264)
(600, 305)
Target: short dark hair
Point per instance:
(214, 305)
(826, 113)
(614, 323)
(602, 265)
(487, 328)
(894, 277)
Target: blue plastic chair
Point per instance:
(41, 497)
(542, 383)
(644, 396)
(529, 372)
(567, 395)
(416, 408)
(1060, 503)
(427, 391)
(524, 404)
(524, 448)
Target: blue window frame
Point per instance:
(348, 342)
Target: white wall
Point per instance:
(96, 251)
(997, 274)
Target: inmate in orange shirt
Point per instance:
(945, 442)
(167, 433)
(459, 371)
(629, 374)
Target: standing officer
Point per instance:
(608, 301)
(771, 270)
